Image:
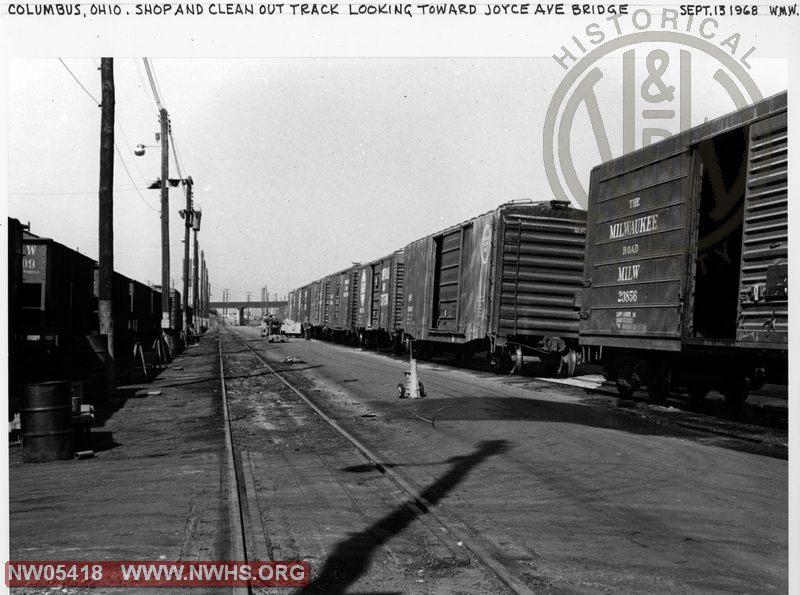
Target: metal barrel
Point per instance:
(97, 380)
(46, 418)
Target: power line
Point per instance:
(157, 96)
(63, 193)
(142, 87)
(127, 171)
(79, 83)
(152, 83)
(122, 159)
(155, 80)
(128, 144)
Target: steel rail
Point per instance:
(470, 541)
(235, 516)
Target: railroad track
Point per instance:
(464, 542)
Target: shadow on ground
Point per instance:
(351, 557)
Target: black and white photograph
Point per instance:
(398, 297)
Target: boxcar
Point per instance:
(316, 309)
(293, 297)
(686, 274)
(505, 281)
(379, 301)
(341, 305)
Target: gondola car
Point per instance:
(686, 282)
(505, 282)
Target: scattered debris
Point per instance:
(153, 393)
(83, 454)
(293, 360)
(367, 415)
(430, 421)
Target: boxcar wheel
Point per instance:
(421, 388)
(401, 391)
(736, 390)
(552, 364)
(501, 362)
(627, 376)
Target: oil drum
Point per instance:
(47, 433)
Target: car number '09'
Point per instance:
(627, 296)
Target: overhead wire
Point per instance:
(116, 146)
(80, 84)
(128, 144)
(143, 86)
(130, 177)
(57, 192)
(150, 78)
(155, 80)
(158, 96)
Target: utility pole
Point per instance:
(187, 216)
(105, 274)
(195, 280)
(203, 301)
(164, 219)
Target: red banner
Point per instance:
(142, 573)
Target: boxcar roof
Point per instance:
(638, 158)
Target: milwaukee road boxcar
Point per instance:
(379, 301)
(505, 281)
(686, 274)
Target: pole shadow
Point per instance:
(351, 557)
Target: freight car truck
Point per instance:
(686, 269)
(505, 282)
